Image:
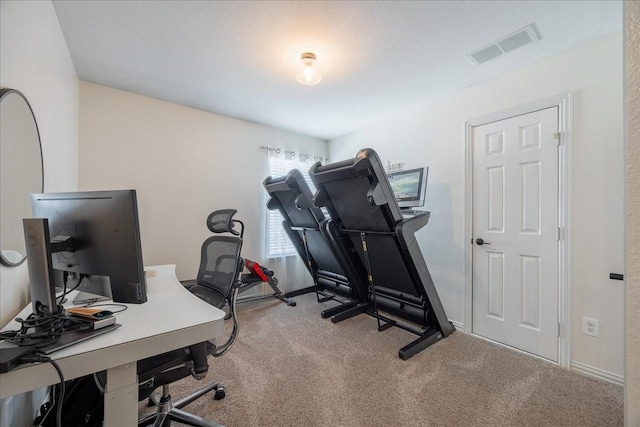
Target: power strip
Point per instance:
(10, 357)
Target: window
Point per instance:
(280, 163)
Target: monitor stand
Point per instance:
(92, 289)
(87, 297)
(40, 265)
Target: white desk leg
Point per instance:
(121, 396)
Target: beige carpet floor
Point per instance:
(290, 367)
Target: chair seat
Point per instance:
(171, 366)
(205, 293)
(150, 366)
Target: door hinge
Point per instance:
(557, 136)
(558, 328)
(559, 234)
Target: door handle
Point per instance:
(481, 242)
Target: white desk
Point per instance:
(171, 318)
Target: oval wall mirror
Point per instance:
(21, 171)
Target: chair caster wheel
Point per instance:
(292, 304)
(220, 393)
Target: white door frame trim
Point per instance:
(563, 102)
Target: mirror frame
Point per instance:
(4, 92)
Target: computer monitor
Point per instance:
(96, 234)
(409, 187)
(41, 275)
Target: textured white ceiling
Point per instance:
(238, 58)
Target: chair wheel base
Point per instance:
(220, 393)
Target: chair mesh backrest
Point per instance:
(221, 221)
(220, 263)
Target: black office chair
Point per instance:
(217, 283)
(222, 221)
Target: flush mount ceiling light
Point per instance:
(309, 72)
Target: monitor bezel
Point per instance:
(411, 202)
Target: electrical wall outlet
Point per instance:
(590, 327)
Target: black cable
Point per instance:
(107, 304)
(65, 278)
(42, 329)
(61, 394)
(43, 359)
(66, 292)
(45, 328)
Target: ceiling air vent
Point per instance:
(506, 44)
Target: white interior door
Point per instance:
(515, 214)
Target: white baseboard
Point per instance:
(597, 373)
(459, 326)
(252, 297)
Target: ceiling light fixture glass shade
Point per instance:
(309, 73)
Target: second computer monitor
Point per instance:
(105, 238)
(409, 187)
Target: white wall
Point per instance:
(632, 267)
(433, 134)
(34, 59)
(184, 164)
